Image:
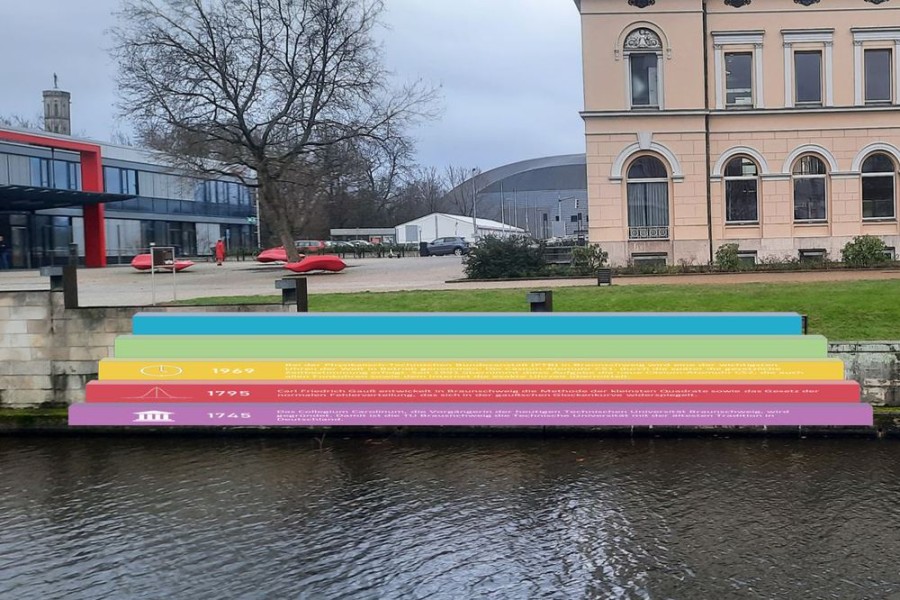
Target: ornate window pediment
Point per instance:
(643, 39)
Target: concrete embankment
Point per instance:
(48, 354)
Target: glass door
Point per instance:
(20, 257)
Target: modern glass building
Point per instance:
(44, 202)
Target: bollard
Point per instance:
(294, 291)
(540, 301)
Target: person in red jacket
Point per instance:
(220, 252)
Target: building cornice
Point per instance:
(638, 113)
(737, 112)
(737, 37)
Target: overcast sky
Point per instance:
(509, 71)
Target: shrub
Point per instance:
(864, 251)
(587, 260)
(727, 257)
(495, 257)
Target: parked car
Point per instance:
(310, 246)
(448, 245)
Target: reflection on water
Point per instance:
(454, 518)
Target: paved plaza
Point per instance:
(124, 286)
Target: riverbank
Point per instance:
(54, 421)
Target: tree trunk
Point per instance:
(268, 195)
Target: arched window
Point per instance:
(741, 191)
(810, 177)
(879, 174)
(648, 199)
(643, 54)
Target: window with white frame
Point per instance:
(643, 57)
(876, 53)
(810, 177)
(644, 77)
(738, 64)
(747, 258)
(648, 199)
(878, 78)
(879, 175)
(738, 79)
(808, 67)
(808, 77)
(741, 191)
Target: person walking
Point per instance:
(220, 252)
(4, 253)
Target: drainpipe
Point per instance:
(709, 227)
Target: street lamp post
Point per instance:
(258, 232)
(474, 206)
(559, 202)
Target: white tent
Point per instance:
(436, 225)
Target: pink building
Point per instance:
(773, 124)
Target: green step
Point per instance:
(471, 347)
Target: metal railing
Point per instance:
(648, 233)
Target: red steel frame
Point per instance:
(91, 181)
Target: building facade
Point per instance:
(772, 124)
(164, 207)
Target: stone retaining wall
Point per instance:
(875, 365)
(48, 353)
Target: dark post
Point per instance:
(541, 301)
(73, 255)
(604, 277)
(302, 296)
(805, 321)
(70, 286)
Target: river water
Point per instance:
(459, 518)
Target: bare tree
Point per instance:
(120, 138)
(462, 189)
(21, 122)
(387, 165)
(256, 88)
(430, 189)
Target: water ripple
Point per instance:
(568, 519)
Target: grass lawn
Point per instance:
(845, 310)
